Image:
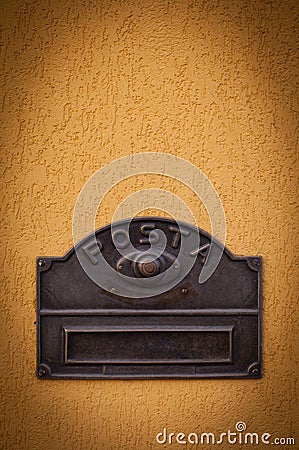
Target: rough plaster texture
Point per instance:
(85, 82)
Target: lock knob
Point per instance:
(148, 269)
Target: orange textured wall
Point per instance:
(85, 82)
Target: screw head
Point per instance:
(41, 263)
(42, 372)
(184, 291)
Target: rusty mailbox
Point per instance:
(179, 328)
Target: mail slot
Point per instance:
(188, 329)
(147, 345)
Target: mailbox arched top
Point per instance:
(253, 261)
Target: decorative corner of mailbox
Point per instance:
(128, 301)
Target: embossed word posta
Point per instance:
(192, 330)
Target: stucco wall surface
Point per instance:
(85, 82)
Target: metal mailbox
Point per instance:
(192, 330)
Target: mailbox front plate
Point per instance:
(191, 331)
